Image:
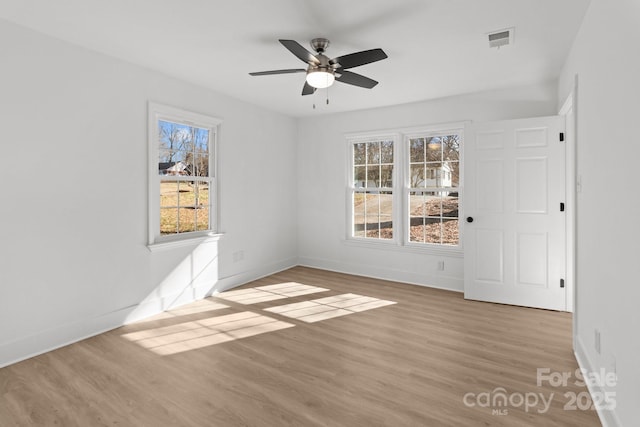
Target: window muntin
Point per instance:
(182, 174)
(372, 190)
(433, 186)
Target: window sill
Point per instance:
(189, 241)
(391, 245)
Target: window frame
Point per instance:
(352, 189)
(160, 112)
(401, 188)
(427, 132)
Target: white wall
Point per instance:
(606, 58)
(322, 163)
(73, 215)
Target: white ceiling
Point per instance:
(436, 48)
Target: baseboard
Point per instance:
(607, 418)
(230, 282)
(384, 273)
(60, 336)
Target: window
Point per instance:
(434, 178)
(181, 174)
(406, 194)
(372, 189)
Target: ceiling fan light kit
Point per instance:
(320, 79)
(321, 72)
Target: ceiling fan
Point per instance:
(322, 71)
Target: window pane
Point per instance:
(451, 147)
(416, 229)
(186, 220)
(359, 176)
(201, 143)
(186, 194)
(450, 205)
(433, 205)
(202, 214)
(450, 231)
(386, 215)
(358, 214)
(373, 176)
(434, 149)
(386, 152)
(432, 230)
(416, 204)
(168, 220)
(434, 175)
(359, 154)
(416, 147)
(373, 153)
(372, 215)
(201, 165)
(454, 167)
(386, 176)
(417, 178)
(164, 156)
(169, 193)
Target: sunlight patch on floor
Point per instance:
(329, 307)
(206, 332)
(192, 308)
(269, 293)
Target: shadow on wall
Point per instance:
(192, 279)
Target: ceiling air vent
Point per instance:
(501, 38)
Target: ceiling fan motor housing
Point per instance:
(320, 44)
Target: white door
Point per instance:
(514, 232)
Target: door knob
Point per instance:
(469, 219)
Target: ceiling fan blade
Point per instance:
(359, 58)
(299, 51)
(268, 73)
(355, 79)
(308, 89)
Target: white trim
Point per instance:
(389, 245)
(568, 112)
(374, 134)
(449, 283)
(157, 112)
(608, 418)
(185, 241)
(235, 280)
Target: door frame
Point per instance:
(568, 111)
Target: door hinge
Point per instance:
(561, 136)
(562, 283)
(561, 207)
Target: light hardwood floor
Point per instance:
(230, 362)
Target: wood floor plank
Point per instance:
(409, 363)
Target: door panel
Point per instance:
(515, 245)
(531, 190)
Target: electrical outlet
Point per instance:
(597, 341)
(440, 265)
